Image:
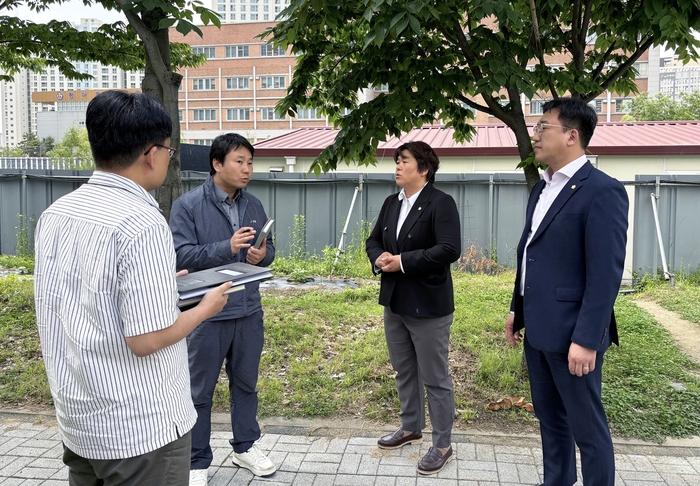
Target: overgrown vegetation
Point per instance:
(325, 355)
(683, 297)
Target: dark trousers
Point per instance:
(239, 342)
(571, 413)
(418, 349)
(167, 466)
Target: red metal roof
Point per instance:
(618, 138)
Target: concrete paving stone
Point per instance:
(349, 464)
(528, 474)
(29, 451)
(284, 477)
(6, 460)
(478, 475)
(16, 465)
(21, 433)
(54, 482)
(675, 480)
(318, 467)
(337, 446)
(361, 449)
(40, 443)
(485, 452)
(507, 473)
(304, 479)
(353, 480)
(277, 458)
(48, 463)
(268, 441)
(34, 473)
(515, 458)
(12, 481)
(33, 482)
(221, 456)
(695, 462)
(319, 445)
(266, 482)
(405, 482)
(514, 450)
(465, 451)
(322, 457)
(450, 471)
(674, 468)
(433, 481)
(641, 463)
(292, 462)
(7, 447)
(292, 447)
(61, 474)
(368, 465)
(324, 480)
(622, 464)
(392, 460)
(395, 470)
(640, 476)
(366, 441)
(477, 465)
(220, 434)
(295, 439)
(639, 483)
(384, 481)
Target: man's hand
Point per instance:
(256, 255)
(242, 239)
(387, 262)
(513, 337)
(214, 301)
(581, 360)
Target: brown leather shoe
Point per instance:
(434, 461)
(397, 439)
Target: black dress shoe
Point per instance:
(397, 439)
(434, 461)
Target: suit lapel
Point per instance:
(418, 207)
(574, 184)
(391, 222)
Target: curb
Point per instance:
(346, 428)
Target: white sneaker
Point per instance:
(255, 460)
(198, 477)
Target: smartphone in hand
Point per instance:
(263, 233)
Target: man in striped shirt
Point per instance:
(111, 333)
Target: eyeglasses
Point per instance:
(171, 150)
(541, 126)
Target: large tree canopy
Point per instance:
(438, 58)
(142, 43)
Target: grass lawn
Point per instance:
(325, 356)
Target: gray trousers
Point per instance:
(418, 349)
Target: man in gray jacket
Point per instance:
(213, 225)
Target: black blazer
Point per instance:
(430, 240)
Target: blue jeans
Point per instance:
(239, 342)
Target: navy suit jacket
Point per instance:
(429, 242)
(574, 265)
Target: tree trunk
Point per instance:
(160, 82)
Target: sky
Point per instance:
(71, 11)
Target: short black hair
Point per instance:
(223, 144)
(425, 156)
(575, 113)
(122, 125)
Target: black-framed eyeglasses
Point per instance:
(171, 150)
(541, 126)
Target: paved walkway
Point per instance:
(309, 454)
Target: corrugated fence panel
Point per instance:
(679, 221)
(492, 208)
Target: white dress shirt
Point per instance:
(554, 183)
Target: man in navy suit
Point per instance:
(570, 262)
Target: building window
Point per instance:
(308, 114)
(179, 114)
(209, 52)
(237, 51)
(203, 84)
(536, 107)
(237, 83)
(642, 69)
(267, 50)
(271, 114)
(206, 141)
(623, 105)
(238, 114)
(272, 82)
(204, 115)
(253, 16)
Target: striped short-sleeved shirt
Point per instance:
(105, 267)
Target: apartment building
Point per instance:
(239, 11)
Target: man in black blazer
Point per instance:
(413, 243)
(570, 261)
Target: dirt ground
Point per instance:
(685, 333)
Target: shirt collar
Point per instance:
(223, 197)
(567, 171)
(110, 179)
